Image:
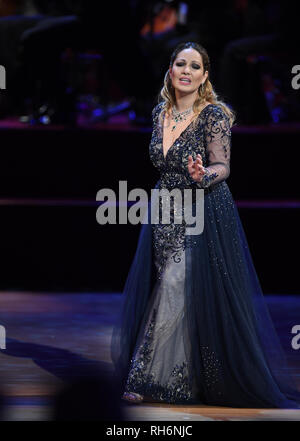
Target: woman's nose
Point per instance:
(186, 70)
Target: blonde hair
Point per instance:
(206, 92)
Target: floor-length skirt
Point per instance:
(194, 325)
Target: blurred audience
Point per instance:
(134, 39)
(240, 76)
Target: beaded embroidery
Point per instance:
(211, 129)
(180, 389)
(140, 382)
(169, 240)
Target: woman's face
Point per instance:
(187, 72)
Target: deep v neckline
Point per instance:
(178, 137)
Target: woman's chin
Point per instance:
(184, 90)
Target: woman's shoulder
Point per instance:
(157, 109)
(214, 112)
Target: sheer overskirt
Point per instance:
(228, 353)
(243, 364)
(233, 352)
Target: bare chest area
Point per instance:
(172, 131)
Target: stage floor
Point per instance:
(51, 337)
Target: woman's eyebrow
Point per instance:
(193, 61)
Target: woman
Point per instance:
(194, 324)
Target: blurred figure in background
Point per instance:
(31, 40)
(239, 67)
(37, 33)
(93, 399)
(41, 30)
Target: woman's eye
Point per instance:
(195, 66)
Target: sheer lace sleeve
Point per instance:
(218, 148)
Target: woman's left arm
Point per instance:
(218, 149)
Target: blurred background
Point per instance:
(78, 83)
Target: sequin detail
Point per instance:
(168, 238)
(144, 383)
(211, 367)
(208, 178)
(210, 129)
(208, 136)
(168, 242)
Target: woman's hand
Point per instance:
(195, 168)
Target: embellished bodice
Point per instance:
(209, 136)
(173, 167)
(210, 125)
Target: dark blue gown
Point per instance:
(194, 325)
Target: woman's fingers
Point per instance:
(199, 159)
(191, 164)
(195, 168)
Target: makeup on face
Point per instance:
(187, 70)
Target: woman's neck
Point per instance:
(184, 102)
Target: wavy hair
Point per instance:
(205, 93)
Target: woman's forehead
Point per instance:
(189, 54)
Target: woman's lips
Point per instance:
(185, 82)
